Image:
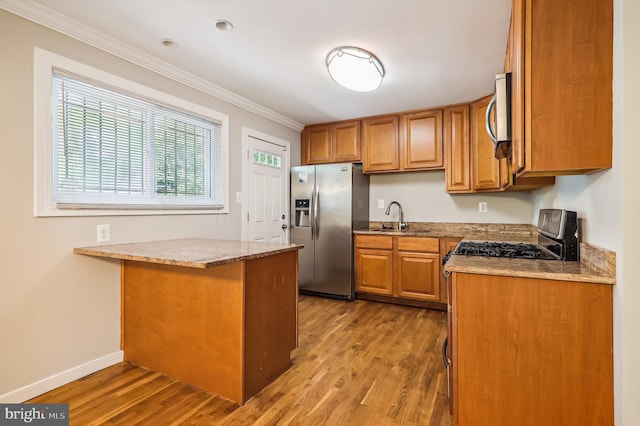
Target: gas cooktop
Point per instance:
(557, 239)
(504, 249)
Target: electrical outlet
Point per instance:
(104, 233)
(381, 204)
(482, 207)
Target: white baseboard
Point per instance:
(45, 385)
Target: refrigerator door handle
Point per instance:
(315, 212)
(311, 213)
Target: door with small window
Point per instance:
(267, 214)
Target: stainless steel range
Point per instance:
(557, 240)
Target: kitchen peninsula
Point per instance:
(220, 315)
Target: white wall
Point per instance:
(609, 202)
(423, 199)
(59, 310)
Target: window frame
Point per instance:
(44, 65)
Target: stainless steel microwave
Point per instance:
(499, 124)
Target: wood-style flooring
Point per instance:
(358, 363)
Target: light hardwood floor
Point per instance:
(358, 363)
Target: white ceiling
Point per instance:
(434, 52)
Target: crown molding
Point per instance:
(74, 29)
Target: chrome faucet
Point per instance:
(401, 223)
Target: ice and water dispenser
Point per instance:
(302, 213)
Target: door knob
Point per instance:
(284, 226)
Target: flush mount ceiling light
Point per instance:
(355, 68)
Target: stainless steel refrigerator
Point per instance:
(328, 202)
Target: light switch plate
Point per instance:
(238, 197)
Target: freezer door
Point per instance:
(302, 225)
(333, 231)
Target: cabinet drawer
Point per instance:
(418, 244)
(375, 241)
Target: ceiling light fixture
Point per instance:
(355, 68)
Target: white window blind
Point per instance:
(112, 150)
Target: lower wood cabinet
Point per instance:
(417, 267)
(529, 351)
(398, 267)
(374, 264)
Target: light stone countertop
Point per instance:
(529, 268)
(189, 252)
(475, 231)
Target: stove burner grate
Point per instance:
(501, 249)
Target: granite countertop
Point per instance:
(529, 268)
(189, 252)
(475, 231)
(596, 265)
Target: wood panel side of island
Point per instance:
(271, 318)
(186, 323)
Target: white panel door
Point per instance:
(267, 213)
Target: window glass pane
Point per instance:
(181, 160)
(267, 159)
(112, 149)
(100, 144)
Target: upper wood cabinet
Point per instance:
(488, 173)
(380, 143)
(471, 164)
(331, 143)
(316, 144)
(457, 149)
(422, 140)
(404, 142)
(561, 60)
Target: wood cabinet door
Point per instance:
(422, 140)
(457, 149)
(417, 275)
(516, 67)
(317, 144)
(380, 142)
(486, 168)
(563, 87)
(346, 142)
(374, 271)
(523, 363)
